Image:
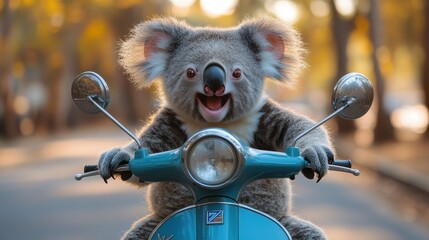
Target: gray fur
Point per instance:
(302, 229)
(278, 127)
(261, 48)
(142, 228)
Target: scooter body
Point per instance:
(215, 165)
(216, 213)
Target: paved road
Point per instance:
(39, 199)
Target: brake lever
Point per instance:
(337, 168)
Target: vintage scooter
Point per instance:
(215, 165)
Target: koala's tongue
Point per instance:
(214, 103)
(213, 108)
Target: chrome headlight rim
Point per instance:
(214, 133)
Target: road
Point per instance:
(41, 200)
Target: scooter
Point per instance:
(215, 165)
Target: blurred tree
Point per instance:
(75, 21)
(383, 128)
(121, 22)
(9, 126)
(425, 75)
(138, 102)
(341, 28)
(61, 49)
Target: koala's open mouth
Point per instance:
(213, 108)
(213, 103)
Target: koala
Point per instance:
(210, 77)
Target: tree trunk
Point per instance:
(121, 22)
(68, 72)
(69, 37)
(383, 128)
(9, 127)
(425, 75)
(341, 28)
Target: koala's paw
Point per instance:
(110, 160)
(319, 157)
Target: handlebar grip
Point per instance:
(342, 163)
(90, 168)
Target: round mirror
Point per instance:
(90, 84)
(353, 86)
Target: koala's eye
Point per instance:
(190, 73)
(236, 74)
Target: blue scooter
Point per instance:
(215, 165)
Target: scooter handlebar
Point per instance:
(90, 168)
(342, 163)
(336, 165)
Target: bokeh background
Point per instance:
(45, 44)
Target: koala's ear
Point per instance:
(144, 54)
(276, 45)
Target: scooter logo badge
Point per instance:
(165, 237)
(215, 217)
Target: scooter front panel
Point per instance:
(256, 225)
(179, 225)
(218, 220)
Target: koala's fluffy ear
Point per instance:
(144, 54)
(277, 46)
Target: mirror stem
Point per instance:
(90, 98)
(349, 102)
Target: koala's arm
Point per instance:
(162, 133)
(278, 127)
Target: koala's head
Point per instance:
(211, 75)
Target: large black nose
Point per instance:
(214, 77)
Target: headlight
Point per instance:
(212, 158)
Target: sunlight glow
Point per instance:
(183, 3)
(413, 118)
(319, 8)
(21, 105)
(285, 10)
(179, 11)
(57, 19)
(181, 7)
(346, 8)
(216, 8)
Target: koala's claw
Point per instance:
(110, 160)
(308, 173)
(319, 177)
(319, 157)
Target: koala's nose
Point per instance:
(214, 79)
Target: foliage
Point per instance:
(50, 42)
